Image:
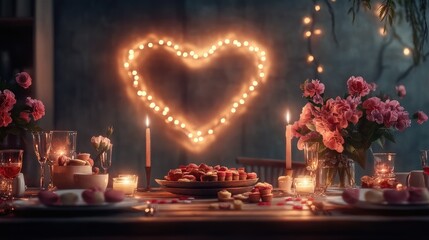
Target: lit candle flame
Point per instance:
(147, 121)
(287, 117)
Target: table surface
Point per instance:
(196, 219)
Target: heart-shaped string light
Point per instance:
(193, 57)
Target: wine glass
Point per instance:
(424, 158)
(42, 147)
(106, 159)
(311, 157)
(63, 143)
(10, 167)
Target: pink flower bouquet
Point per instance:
(350, 124)
(18, 111)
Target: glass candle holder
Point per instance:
(126, 183)
(384, 164)
(304, 185)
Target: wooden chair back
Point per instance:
(269, 170)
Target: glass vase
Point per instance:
(335, 171)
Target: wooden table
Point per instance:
(196, 220)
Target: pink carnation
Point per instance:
(333, 140)
(401, 91)
(38, 109)
(358, 87)
(313, 88)
(5, 119)
(421, 117)
(23, 79)
(7, 100)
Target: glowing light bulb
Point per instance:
(190, 135)
(260, 66)
(199, 133)
(317, 7)
(126, 65)
(166, 109)
(235, 105)
(191, 53)
(135, 83)
(244, 95)
(150, 45)
(131, 52)
(185, 54)
(139, 93)
(141, 46)
(136, 77)
(233, 110)
(161, 42)
(222, 120)
(195, 139)
(310, 58)
(131, 57)
(134, 72)
(169, 43)
(170, 119)
(319, 69)
(407, 51)
(306, 20)
(261, 74)
(241, 101)
(144, 93)
(182, 125)
(227, 41)
(255, 83)
(317, 31)
(152, 105)
(200, 139)
(149, 97)
(246, 43)
(210, 131)
(263, 58)
(176, 122)
(157, 108)
(307, 34)
(251, 88)
(220, 43)
(179, 53)
(176, 47)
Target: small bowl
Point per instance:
(86, 181)
(62, 176)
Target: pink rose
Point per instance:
(401, 91)
(358, 87)
(421, 117)
(23, 79)
(25, 116)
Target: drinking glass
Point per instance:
(424, 154)
(10, 167)
(311, 157)
(106, 159)
(42, 146)
(63, 143)
(384, 164)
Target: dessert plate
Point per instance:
(206, 192)
(33, 204)
(362, 204)
(204, 185)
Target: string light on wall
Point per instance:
(195, 58)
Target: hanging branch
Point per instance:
(331, 13)
(380, 58)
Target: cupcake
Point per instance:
(254, 197)
(252, 175)
(264, 188)
(235, 175)
(241, 197)
(221, 175)
(267, 197)
(238, 204)
(228, 175)
(242, 175)
(210, 177)
(224, 195)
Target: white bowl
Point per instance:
(86, 181)
(63, 175)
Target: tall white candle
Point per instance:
(288, 136)
(147, 143)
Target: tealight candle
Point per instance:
(285, 183)
(125, 183)
(304, 185)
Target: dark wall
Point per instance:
(91, 35)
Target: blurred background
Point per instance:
(74, 50)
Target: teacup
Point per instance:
(63, 175)
(85, 181)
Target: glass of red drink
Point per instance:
(10, 167)
(424, 158)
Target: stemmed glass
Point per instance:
(424, 158)
(10, 167)
(42, 147)
(106, 159)
(311, 157)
